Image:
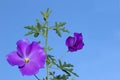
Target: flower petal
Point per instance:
(39, 58)
(14, 59)
(21, 47)
(72, 49)
(80, 45)
(78, 37)
(36, 54)
(30, 68)
(70, 41)
(78, 41)
(34, 47)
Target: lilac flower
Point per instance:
(75, 43)
(29, 57)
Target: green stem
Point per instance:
(36, 77)
(64, 55)
(59, 58)
(46, 46)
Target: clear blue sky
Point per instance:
(98, 20)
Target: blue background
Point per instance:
(98, 20)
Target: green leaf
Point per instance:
(29, 33)
(67, 65)
(28, 27)
(67, 68)
(58, 33)
(38, 25)
(60, 63)
(64, 30)
(36, 34)
(33, 29)
(46, 14)
(75, 74)
(49, 48)
(51, 59)
(72, 79)
(60, 27)
(42, 13)
(58, 77)
(62, 23)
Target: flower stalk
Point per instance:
(64, 55)
(36, 77)
(46, 51)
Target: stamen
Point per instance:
(26, 60)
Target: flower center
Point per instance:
(26, 60)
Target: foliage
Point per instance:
(40, 28)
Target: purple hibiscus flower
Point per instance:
(75, 43)
(29, 57)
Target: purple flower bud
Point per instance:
(75, 43)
